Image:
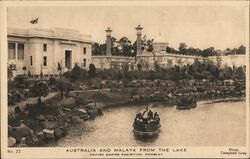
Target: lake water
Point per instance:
(216, 124)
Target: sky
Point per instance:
(220, 26)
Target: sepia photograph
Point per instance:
(123, 77)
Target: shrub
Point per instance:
(64, 86)
(39, 89)
(10, 73)
(52, 81)
(67, 74)
(92, 70)
(76, 72)
(239, 73)
(20, 82)
(44, 109)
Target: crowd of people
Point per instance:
(150, 117)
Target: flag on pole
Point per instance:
(34, 21)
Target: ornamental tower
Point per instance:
(138, 40)
(108, 41)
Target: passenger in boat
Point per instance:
(143, 113)
(138, 116)
(156, 117)
(150, 115)
(142, 119)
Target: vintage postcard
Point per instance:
(124, 79)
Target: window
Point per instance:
(44, 60)
(84, 62)
(12, 50)
(21, 51)
(84, 50)
(44, 47)
(31, 61)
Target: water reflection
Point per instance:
(145, 139)
(217, 124)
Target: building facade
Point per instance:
(47, 51)
(165, 59)
(43, 51)
(158, 56)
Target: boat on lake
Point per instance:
(147, 124)
(186, 102)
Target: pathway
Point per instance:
(31, 100)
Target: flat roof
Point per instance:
(55, 33)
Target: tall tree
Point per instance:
(149, 45)
(171, 50)
(208, 52)
(242, 50)
(95, 49)
(182, 48)
(126, 46)
(103, 49)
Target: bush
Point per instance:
(52, 81)
(20, 82)
(239, 73)
(76, 73)
(64, 86)
(10, 73)
(92, 70)
(133, 92)
(197, 70)
(45, 109)
(40, 88)
(67, 74)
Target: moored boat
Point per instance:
(186, 102)
(147, 124)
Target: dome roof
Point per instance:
(159, 39)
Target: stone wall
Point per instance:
(117, 62)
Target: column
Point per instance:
(138, 40)
(108, 41)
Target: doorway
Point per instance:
(68, 57)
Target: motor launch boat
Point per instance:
(147, 124)
(185, 102)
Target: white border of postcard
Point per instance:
(82, 152)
